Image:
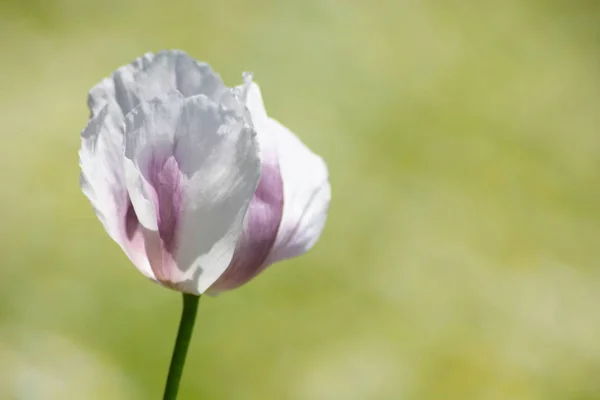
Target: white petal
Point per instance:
(218, 166)
(103, 182)
(154, 75)
(307, 192)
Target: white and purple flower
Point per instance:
(194, 181)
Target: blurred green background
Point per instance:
(461, 255)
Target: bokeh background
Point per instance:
(461, 256)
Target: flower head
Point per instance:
(200, 188)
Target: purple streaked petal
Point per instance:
(165, 183)
(288, 210)
(306, 189)
(191, 169)
(260, 231)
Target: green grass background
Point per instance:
(460, 260)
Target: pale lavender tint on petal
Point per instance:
(165, 177)
(260, 231)
(133, 232)
(161, 170)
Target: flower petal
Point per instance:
(307, 195)
(192, 168)
(263, 218)
(103, 182)
(100, 161)
(260, 230)
(154, 75)
(289, 208)
(306, 188)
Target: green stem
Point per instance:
(186, 327)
